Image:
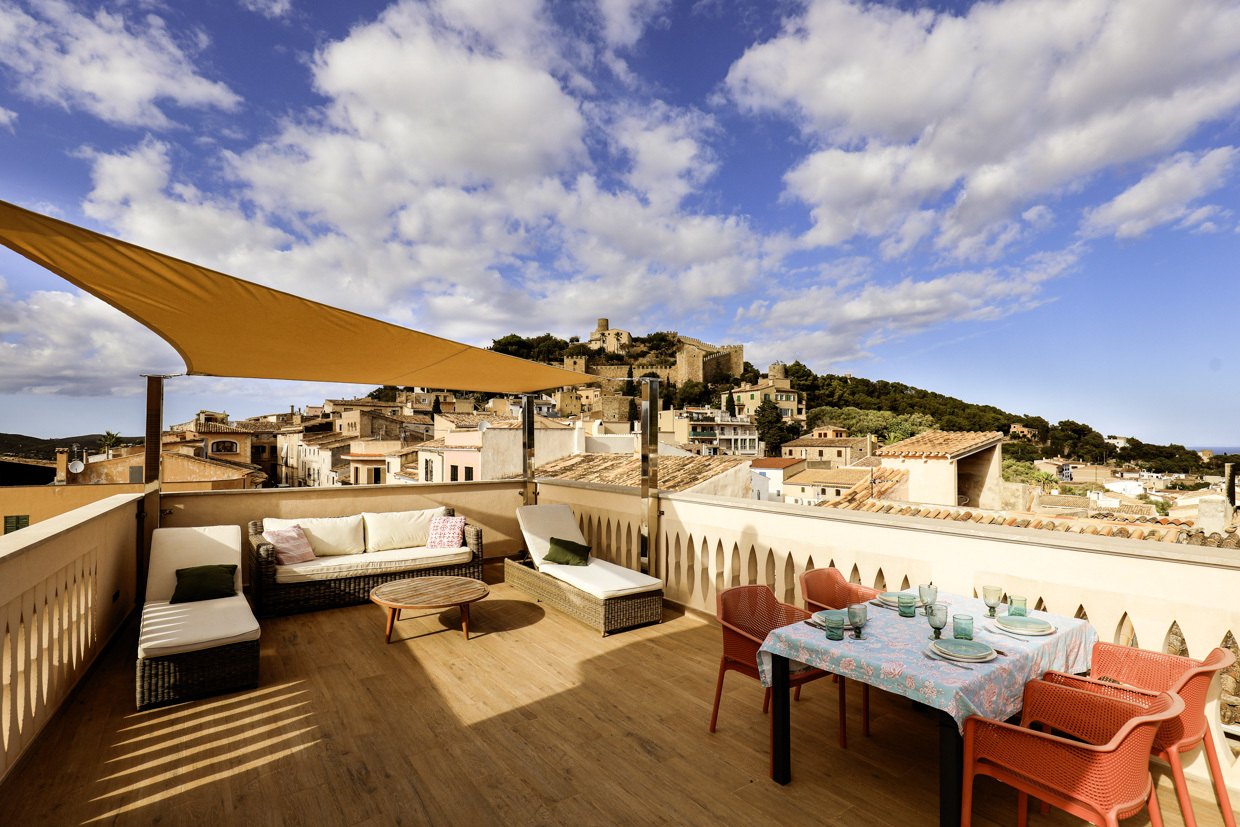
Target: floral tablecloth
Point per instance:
(891, 657)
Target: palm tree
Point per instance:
(109, 439)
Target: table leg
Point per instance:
(951, 769)
(465, 619)
(781, 736)
(391, 620)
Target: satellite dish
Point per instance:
(77, 466)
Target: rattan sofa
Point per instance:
(617, 598)
(272, 598)
(192, 650)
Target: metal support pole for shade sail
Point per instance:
(650, 477)
(148, 516)
(527, 448)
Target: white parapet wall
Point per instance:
(707, 544)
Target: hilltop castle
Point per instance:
(695, 359)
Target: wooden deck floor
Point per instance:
(535, 720)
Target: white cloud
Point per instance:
(974, 116)
(1163, 196)
(121, 71)
(847, 311)
(54, 342)
(670, 158)
(625, 20)
(8, 119)
(268, 8)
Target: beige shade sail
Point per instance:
(225, 326)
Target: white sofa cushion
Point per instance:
(372, 562)
(539, 523)
(398, 529)
(180, 548)
(172, 628)
(603, 579)
(328, 536)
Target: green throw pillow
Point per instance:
(567, 553)
(204, 583)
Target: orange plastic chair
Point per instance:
(827, 589)
(1154, 672)
(1103, 777)
(748, 614)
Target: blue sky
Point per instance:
(1026, 203)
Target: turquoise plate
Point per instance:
(821, 617)
(1026, 625)
(964, 649)
(893, 598)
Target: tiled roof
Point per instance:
(1064, 501)
(404, 452)
(875, 486)
(830, 476)
(942, 444)
(826, 442)
(252, 426)
(868, 462)
(225, 463)
(432, 444)
(776, 462)
(42, 463)
(471, 420)
(675, 473)
(539, 422)
(219, 428)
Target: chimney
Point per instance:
(62, 466)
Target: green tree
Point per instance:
(630, 388)
(730, 405)
(387, 393)
(634, 413)
(108, 441)
(772, 430)
(749, 374)
(435, 407)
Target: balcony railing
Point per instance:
(68, 583)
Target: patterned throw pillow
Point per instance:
(446, 532)
(291, 545)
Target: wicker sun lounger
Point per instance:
(641, 604)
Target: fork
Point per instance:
(929, 656)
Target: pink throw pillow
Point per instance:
(446, 532)
(291, 545)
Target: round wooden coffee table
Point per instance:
(429, 593)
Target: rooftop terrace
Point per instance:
(534, 720)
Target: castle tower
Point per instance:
(777, 371)
(603, 325)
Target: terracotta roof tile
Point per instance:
(825, 442)
(675, 473)
(776, 462)
(942, 444)
(829, 476)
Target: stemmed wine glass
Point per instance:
(936, 613)
(929, 594)
(991, 596)
(858, 614)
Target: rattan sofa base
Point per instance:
(188, 675)
(612, 614)
(272, 599)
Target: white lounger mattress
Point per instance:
(372, 562)
(602, 579)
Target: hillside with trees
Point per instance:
(890, 410)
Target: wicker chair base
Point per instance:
(293, 598)
(608, 615)
(175, 678)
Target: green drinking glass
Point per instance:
(962, 627)
(991, 596)
(1017, 606)
(835, 628)
(858, 614)
(928, 593)
(907, 605)
(936, 613)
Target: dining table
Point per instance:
(895, 655)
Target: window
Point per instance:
(224, 446)
(375, 476)
(839, 453)
(469, 473)
(428, 474)
(455, 473)
(15, 522)
(819, 452)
